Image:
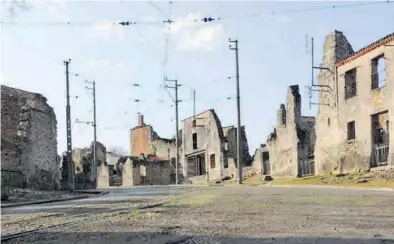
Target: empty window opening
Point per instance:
(350, 83)
(212, 161)
(328, 122)
(194, 141)
(380, 129)
(380, 138)
(351, 130)
(378, 72)
(282, 114)
(194, 123)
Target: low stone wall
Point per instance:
(142, 172)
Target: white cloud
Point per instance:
(99, 63)
(284, 18)
(188, 36)
(107, 30)
(207, 38)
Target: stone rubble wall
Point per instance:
(142, 172)
(28, 140)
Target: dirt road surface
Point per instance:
(239, 214)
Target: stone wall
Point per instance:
(336, 47)
(28, 140)
(230, 134)
(85, 176)
(103, 176)
(146, 172)
(333, 151)
(144, 140)
(260, 161)
(210, 141)
(293, 138)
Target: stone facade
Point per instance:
(356, 106)
(82, 158)
(144, 140)
(230, 136)
(28, 140)
(293, 138)
(146, 172)
(203, 145)
(260, 161)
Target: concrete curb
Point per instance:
(56, 200)
(42, 202)
(331, 187)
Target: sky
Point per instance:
(272, 56)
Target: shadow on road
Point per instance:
(164, 236)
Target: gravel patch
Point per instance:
(243, 215)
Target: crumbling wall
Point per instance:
(283, 143)
(230, 133)
(85, 177)
(28, 140)
(145, 172)
(336, 47)
(260, 162)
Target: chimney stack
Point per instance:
(141, 120)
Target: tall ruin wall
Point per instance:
(28, 140)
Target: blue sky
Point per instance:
(271, 48)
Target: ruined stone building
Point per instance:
(28, 140)
(84, 176)
(146, 143)
(144, 140)
(260, 161)
(291, 145)
(146, 171)
(354, 120)
(209, 149)
(230, 138)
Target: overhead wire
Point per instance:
(210, 18)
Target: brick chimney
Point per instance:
(141, 120)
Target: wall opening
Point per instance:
(351, 130)
(378, 72)
(212, 161)
(380, 139)
(266, 163)
(328, 122)
(194, 141)
(350, 83)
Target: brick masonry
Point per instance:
(28, 140)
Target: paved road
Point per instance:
(237, 214)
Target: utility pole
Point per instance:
(93, 123)
(194, 104)
(239, 150)
(70, 169)
(175, 87)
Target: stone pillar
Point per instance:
(103, 176)
(127, 174)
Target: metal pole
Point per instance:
(70, 170)
(239, 149)
(94, 134)
(313, 74)
(176, 133)
(194, 104)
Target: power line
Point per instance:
(209, 18)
